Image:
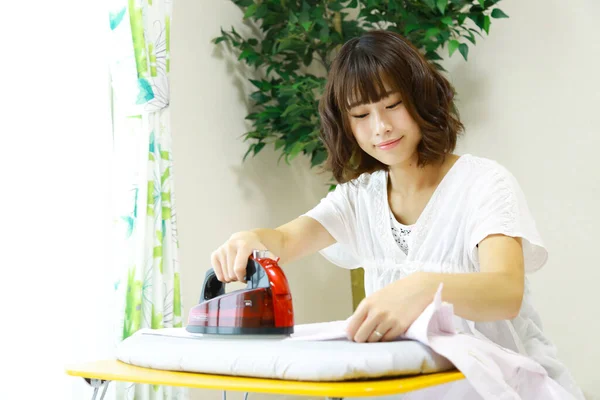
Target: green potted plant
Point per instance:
(297, 41)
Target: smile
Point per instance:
(390, 144)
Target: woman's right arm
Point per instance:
(296, 239)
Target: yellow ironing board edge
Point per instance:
(114, 370)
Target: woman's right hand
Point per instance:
(229, 261)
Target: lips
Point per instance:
(389, 144)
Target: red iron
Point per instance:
(264, 307)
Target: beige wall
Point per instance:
(529, 99)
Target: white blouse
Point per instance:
(476, 198)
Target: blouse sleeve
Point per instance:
(336, 212)
(501, 208)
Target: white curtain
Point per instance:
(147, 289)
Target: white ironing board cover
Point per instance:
(297, 358)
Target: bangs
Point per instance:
(364, 81)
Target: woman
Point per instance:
(409, 211)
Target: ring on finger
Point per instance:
(376, 335)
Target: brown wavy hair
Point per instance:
(358, 73)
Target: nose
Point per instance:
(381, 124)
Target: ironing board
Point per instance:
(100, 373)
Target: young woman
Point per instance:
(409, 211)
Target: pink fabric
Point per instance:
(491, 370)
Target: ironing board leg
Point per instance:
(97, 384)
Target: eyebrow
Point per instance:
(360, 103)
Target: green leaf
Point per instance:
(335, 6)
(482, 3)
(293, 18)
(452, 46)
(432, 55)
(289, 109)
(250, 11)
(432, 32)
(295, 150)
(410, 28)
(441, 5)
(279, 143)
(318, 157)
(248, 151)
(308, 57)
(486, 24)
(479, 20)
(464, 50)
(448, 21)
(498, 13)
(438, 66)
(258, 147)
(430, 3)
(259, 97)
(324, 34)
(304, 17)
(476, 32)
(471, 37)
(262, 85)
(246, 54)
(262, 11)
(234, 32)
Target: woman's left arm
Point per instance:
(494, 293)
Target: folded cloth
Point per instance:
(492, 372)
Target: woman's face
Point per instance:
(385, 130)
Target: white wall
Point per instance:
(217, 194)
(528, 97)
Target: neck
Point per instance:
(408, 178)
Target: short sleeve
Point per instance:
(336, 212)
(500, 207)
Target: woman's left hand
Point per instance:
(389, 312)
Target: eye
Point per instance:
(360, 116)
(394, 105)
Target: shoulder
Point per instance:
(481, 172)
(482, 166)
(487, 182)
(367, 184)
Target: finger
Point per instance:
(366, 328)
(394, 333)
(356, 319)
(240, 263)
(216, 265)
(380, 331)
(231, 253)
(225, 264)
